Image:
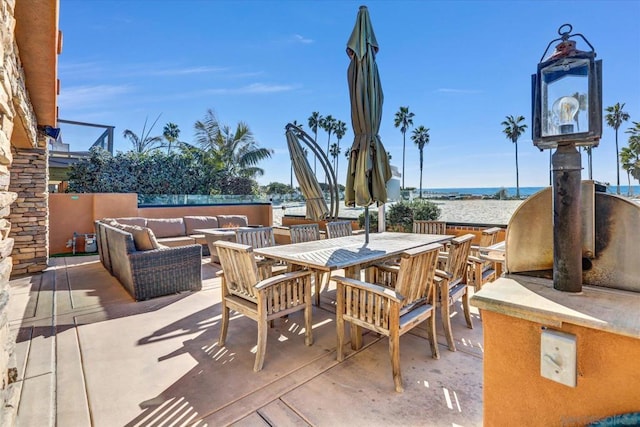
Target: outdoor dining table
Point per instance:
(350, 253)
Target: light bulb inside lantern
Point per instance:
(565, 109)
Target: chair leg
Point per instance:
(317, 277)
(431, 333)
(446, 322)
(465, 306)
(394, 352)
(262, 345)
(224, 324)
(308, 329)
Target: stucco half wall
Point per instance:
(75, 212)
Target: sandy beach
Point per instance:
(495, 212)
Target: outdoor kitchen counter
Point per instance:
(535, 299)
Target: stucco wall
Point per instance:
(516, 394)
(71, 212)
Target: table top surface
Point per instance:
(219, 231)
(350, 251)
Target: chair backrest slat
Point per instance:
(258, 237)
(456, 263)
(489, 236)
(240, 269)
(429, 227)
(304, 233)
(416, 274)
(339, 229)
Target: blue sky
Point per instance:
(460, 66)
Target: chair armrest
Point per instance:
(274, 280)
(441, 274)
(389, 268)
(475, 260)
(369, 287)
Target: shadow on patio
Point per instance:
(157, 362)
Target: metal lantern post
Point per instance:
(567, 113)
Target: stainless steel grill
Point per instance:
(610, 239)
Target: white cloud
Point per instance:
(302, 39)
(184, 71)
(255, 88)
(89, 96)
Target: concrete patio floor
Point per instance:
(87, 354)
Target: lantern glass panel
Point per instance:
(565, 103)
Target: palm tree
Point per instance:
(171, 132)
(236, 152)
(403, 119)
(144, 142)
(340, 130)
(628, 160)
(634, 146)
(314, 121)
(588, 149)
(513, 129)
(420, 136)
(335, 151)
(615, 116)
(328, 123)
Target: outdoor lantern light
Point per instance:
(567, 112)
(567, 95)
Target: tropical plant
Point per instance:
(401, 215)
(425, 210)
(614, 117)
(236, 151)
(143, 142)
(171, 132)
(314, 121)
(420, 136)
(144, 173)
(403, 119)
(340, 130)
(513, 128)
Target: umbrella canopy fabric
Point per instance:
(316, 205)
(369, 169)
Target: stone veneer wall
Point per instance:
(16, 110)
(29, 214)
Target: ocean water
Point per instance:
(511, 191)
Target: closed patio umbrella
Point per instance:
(369, 169)
(316, 205)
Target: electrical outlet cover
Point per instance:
(558, 357)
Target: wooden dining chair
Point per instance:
(339, 229)
(259, 237)
(260, 300)
(451, 279)
(304, 233)
(429, 227)
(391, 311)
(480, 271)
(308, 233)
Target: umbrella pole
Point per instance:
(366, 224)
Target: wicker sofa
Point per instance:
(145, 268)
(175, 232)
